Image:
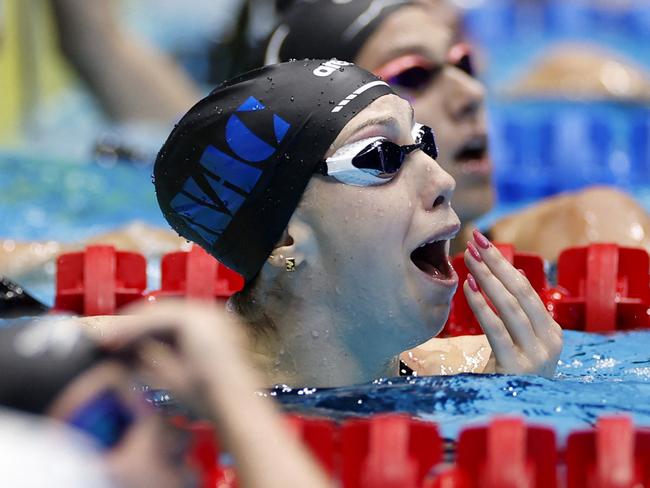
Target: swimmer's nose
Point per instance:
(465, 102)
(439, 189)
(447, 187)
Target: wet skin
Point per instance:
(357, 298)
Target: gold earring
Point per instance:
(290, 264)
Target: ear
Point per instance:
(297, 242)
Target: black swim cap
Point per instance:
(38, 360)
(16, 302)
(328, 28)
(233, 170)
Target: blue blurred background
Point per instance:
(57, 185)
(546, 144)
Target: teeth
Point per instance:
(430, 242)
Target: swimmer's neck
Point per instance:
(305, 345)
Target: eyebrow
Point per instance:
(387, 120)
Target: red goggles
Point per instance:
(414, 72)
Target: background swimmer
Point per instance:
(340, 278)
(195, 350)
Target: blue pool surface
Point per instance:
(597, 375)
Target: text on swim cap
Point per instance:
(329, 67)
(210, 198)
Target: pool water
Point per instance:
(596, 375)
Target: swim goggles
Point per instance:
(105, 418)
(413, 72)
(376, 160)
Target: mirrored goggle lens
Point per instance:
(427, 141)
(382, 158)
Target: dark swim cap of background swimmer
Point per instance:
(16, 302)
(327, 28)
(38, 360)
(233, 170)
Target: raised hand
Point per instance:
(523, 336)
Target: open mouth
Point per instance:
(432, 259)
(473, 155)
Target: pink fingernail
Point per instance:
(521, 271)
(474, 252)
(480, 239)
(472, 282)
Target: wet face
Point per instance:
(149, 452)
(415, 51)
(382, 251)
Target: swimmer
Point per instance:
(132, 80)
(451, 102)
(52, 368)
(313, 180)
(417, 47)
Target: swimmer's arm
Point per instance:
(20, 258)
(132, 79)
(576, 219)
(454, 355)
(203, 362)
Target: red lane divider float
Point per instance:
(606, 288)
(203, 456)
(322, 438)
(196, 274)
(613, 455)
(395, 451)
(505, 454)
(601, 288)
(394, 448)
(99, 280)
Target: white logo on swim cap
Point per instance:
(356, 93)
(329, 67)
